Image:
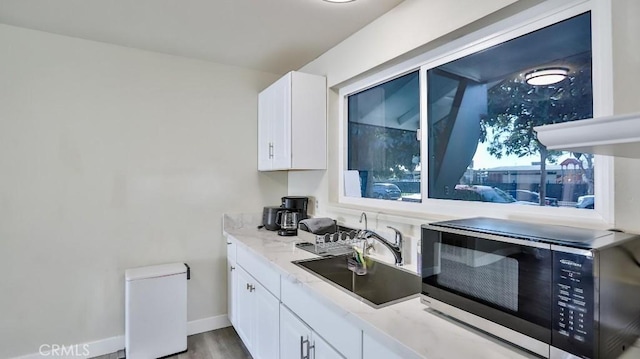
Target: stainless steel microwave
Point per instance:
(559, 292)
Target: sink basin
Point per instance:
(381, 286)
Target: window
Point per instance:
(383, 143)
(481, 114)
(477, 108)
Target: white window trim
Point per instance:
(545, 14)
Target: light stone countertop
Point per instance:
(408, 328)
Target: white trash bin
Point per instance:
(156, 310)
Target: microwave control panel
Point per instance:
(573, 307)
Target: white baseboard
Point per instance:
(113, 344)
(208, 324)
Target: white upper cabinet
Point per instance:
(292, 123)
(610, 136)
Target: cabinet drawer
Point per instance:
(262, 271)
(334, 328)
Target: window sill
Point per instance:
(438, 210)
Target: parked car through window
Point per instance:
(530, 196)
(386, 191)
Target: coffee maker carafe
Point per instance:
(288, 222)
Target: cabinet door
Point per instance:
(265, 119)
(372, 349)
(281, 123)
(266, 322)
(293, 333)
(322, 349)
(333, 327)
(245, 309)
(308, 121)
(231, 280)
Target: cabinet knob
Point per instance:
(231, 268)
(270, 149)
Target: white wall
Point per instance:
(112, 158)
(416, 25)
(626, 71)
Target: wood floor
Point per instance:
(218, 344)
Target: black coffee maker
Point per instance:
(294, 209)
(285, 217)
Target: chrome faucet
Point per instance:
(364, 215)
(366, 247)
(395, 248)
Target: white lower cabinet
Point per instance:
(332, 324)
(256, 316)
(298, 341)
(231, 281)
(292, 334)
(278, 318)
(372, 349)
(322, 350)
(266, 324)
(244, 307)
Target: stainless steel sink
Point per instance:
(381, 286)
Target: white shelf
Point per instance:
(611, 136)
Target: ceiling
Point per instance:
(267, 35)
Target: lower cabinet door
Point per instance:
(298, 341)
(266, 324)
(256, 316)
(245, 308)
(372, 349)
(231, 290)
(342, 334)
(295, 336)
(322, 350)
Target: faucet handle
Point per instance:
(366, 247)
(362, 234)
(398, 238)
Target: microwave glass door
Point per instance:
(506, 283)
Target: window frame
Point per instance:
(537, 17)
